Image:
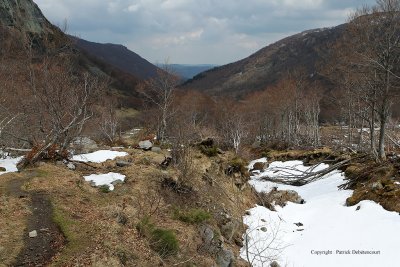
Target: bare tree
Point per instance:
(237, 131)
(263, 244)
(376, 46)
(62, 103)
(159, 91)
(108, 122)
(232, 124)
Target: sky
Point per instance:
(195, 31)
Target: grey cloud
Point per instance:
(195, 31)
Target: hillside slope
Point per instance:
(118, 56)
(270, 64)
(22, 25)
(24, 16)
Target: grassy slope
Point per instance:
(92, 221)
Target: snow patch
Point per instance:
(295, 234)
(105, 179)
(99, 156)
(10, 164)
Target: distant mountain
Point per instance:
(22, 21)
(187, 71)
(118, 56)
(270, 64)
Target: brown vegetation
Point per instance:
(102, 228)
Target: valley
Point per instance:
(287, 157)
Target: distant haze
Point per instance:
(195, 31)
(186, 71)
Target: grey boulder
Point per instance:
(145, 145)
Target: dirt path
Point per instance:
(39, 250)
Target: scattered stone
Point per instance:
(358, 208)
(377, 186)
(166, 162)
(83, 145)
(122, 163)
(207, 234)
(264, 229)
(145, 145)
(33, 234)
(212, 242)
(259, 166)
(248, 213)
(2, 169)
(280, 198)
(225, 258)
(274, 264)
(299, 224)
(239, 242)
(71, 166)
(156, 149)
(229, 229)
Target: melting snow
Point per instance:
(321, 231)
(99, 156)
(105, 179)
(10, 164)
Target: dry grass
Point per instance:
(101, 227)
(374, 181)
(309, 155)
(13, 213)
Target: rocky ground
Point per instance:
(53, 217)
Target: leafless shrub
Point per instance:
(263, 249)
(148, 203)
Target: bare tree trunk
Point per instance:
(381, 148)
(382, 130)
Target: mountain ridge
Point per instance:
(24, 30)
(270, 64)
(118, 56)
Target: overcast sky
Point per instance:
(195, 31)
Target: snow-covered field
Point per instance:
(323, 231)
(99, 156)
(10, 164)
(105, 179)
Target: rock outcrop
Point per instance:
(25, 16)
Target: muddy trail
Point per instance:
(38, 250)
